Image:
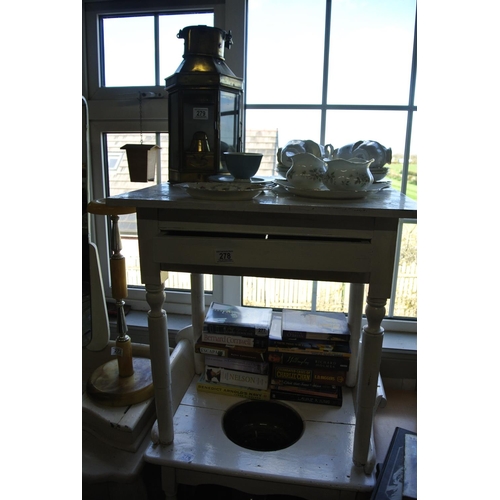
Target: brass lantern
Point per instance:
(204, 106)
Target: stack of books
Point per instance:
(234, 341)
(309, 354)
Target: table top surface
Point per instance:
(385, 203)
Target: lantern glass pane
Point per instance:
(229, 117)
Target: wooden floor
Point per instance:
(400, 411)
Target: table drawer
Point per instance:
(254, 253)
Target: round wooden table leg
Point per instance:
(369, 368)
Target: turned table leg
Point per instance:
(160, 362)
(197, 316)
(369, 367)
(354, 318)
(169, 483)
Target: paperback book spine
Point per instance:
(309, 360)
(334, 392)
(308, 385)
(217, 374)
(325, 337)
(243, 331)
(238, 364)
(303, 398)
(238, 352)
(231, 340)
(311, 376)
(232, 390)
(341, 348)
(307, 350)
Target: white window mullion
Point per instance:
(227, 289)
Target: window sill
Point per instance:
(395, 343)
(398, 366)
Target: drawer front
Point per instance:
(252, 254)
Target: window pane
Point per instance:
(277, 293)
(129, 51)
(119, 182)
(371, 48)
(266, 130)
(411, 187)
(171, 47)
(405, 301)
(332, 296)
(265, 142)
(386, 127)
(370, 56)
(285, 51)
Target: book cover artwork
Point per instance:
(224, 318)
(390, 482)
(314, 325)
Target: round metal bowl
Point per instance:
(262, 425)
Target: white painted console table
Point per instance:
(281, 236)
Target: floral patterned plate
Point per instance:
(222, 190)
(324, 193)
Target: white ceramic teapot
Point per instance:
(347, 175)
(306, 171)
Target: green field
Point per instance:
(394, 176)
(411, 189)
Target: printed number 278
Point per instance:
(226, 256)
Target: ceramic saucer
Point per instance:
(222, 190)
(324, 193)
(229, 178)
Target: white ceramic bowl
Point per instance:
(242, 165)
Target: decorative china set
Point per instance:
(309, 170)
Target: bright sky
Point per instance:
(369, 63)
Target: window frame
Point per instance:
(400, 324)
(102, 103)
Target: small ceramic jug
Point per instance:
(347, 175)
(306, 171)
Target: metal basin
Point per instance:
(262, 425)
